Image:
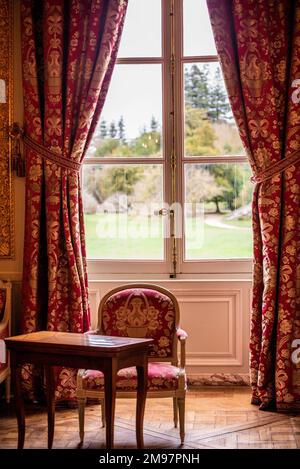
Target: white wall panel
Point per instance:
(215, 314)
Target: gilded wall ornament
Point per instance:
(6, 75)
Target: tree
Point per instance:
(121, 130)
(102, 182)
(94, 183)
(112, 130)
(218, 105)
(153, 124)
(199, 134)
(230, 178)
(122, 179)
(197, 87)
(107, 147)
(103, 129)
(147, 144)
(200, 187)
(148, 190)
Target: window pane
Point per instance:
(210, 129)
(218, 211)
(141, 36)
(130, 123)
(197, 32)
(120, 206)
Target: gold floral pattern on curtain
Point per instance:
(258, 42)
(69, 48)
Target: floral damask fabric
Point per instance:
(258, 43)
(68, 53)
(2, 302)
(161, 377)
(141, 313)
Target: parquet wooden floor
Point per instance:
(215, 418)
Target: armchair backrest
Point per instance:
(142, 310)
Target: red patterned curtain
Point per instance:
(258, 42)
(69, 48)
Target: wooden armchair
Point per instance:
(5, 330)
(141, 310)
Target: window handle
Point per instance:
(164, 212)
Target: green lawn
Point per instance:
(246, 223)
(123, 237)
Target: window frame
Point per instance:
(172, 60)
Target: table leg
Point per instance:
(110, 377)
(19, 405)
(50, 389)
(142, 378)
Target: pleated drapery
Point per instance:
(258, 42)
(69, 48)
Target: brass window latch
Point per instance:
(164, 212)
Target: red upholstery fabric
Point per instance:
(2, 302)
(161, 377)
(258, 43)
(141, 313)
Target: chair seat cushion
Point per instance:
(161, 376)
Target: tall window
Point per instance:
(166, 181)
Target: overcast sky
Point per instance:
(135, 90)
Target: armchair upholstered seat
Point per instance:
(5, 319)
(141, 310)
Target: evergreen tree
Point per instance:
(112, 130)
(153, 124)
(218, 101)
(103, 129)
(121, 130)
(197, 87)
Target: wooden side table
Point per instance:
(105, 353)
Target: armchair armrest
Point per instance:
(91, 332)
(182, 336)
(2, 351)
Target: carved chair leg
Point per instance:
(81, 408)
(7, 389)
(175, 411)
(102, 412)
(181, 408)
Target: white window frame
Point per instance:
(173, 141)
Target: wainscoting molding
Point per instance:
(216, 316)
(229, 304)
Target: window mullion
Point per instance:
(178, 119)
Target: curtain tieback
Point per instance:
(276, 168)
(50, 155)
